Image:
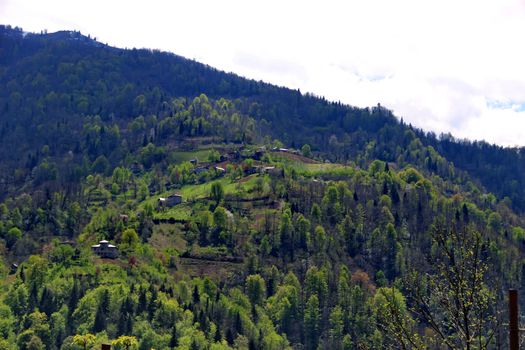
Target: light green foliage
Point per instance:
(36, 271)
(316, 213)
(138, 124)
(410, 175)
(302, 230)
(256, 289)
(386, 216)
(387, 297)
(3, 211)
(217, 192)
(277, 144)
(306, 150)
(58, 327)
(220, 218)
(180, 174)
(265, 246)
(6, 321)
(494, 221)
(27, 340)
(331, 204)
(385, 201)
(213, 156)
(7, 344)
(518, 234)
(84, 340)
(129, 239)
(285, 230)
(18, 299)
(259, 185)
(318, 241)
(347, 342)
(38, 323)
(125, 342)
(167, 312)
(321, 219)
(13, 235)
(312, 320)
(376, 167)
(390, 307)
(151, 154)
(336, 327)
(316, 283)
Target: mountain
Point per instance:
(52, 81)
(245, 215)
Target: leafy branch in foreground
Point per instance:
(451, 299)
(84, 340)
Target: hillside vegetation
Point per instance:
(303, 224)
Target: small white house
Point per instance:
(105, 250)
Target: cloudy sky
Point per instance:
(448, 66)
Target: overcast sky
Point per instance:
(448, 66)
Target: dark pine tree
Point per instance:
(100, 320)
(196, 295)
(174, 340)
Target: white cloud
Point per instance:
(446, 66)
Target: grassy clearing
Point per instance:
(168, 238)
(314, 168)
(192, 193)
(218, 146)
(244, 185)
(178, 212)
(323, 167)
(293, 157)
(201, 155)
(311, 167)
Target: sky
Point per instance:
(453, 66)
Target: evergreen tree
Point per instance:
(174, 340)
(311, 322)
(100, 320)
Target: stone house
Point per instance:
(105, 250)
(170, 201)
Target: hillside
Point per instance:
(301, 224)
(50, 82)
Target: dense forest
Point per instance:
(245, 215)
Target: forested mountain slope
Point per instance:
(245, 216)
(50, 82)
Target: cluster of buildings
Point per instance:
(109, 251)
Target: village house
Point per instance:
(105, 250)
(252, 170)
(272, 171)
(267, 169)
(170, 201)
(199, 170)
